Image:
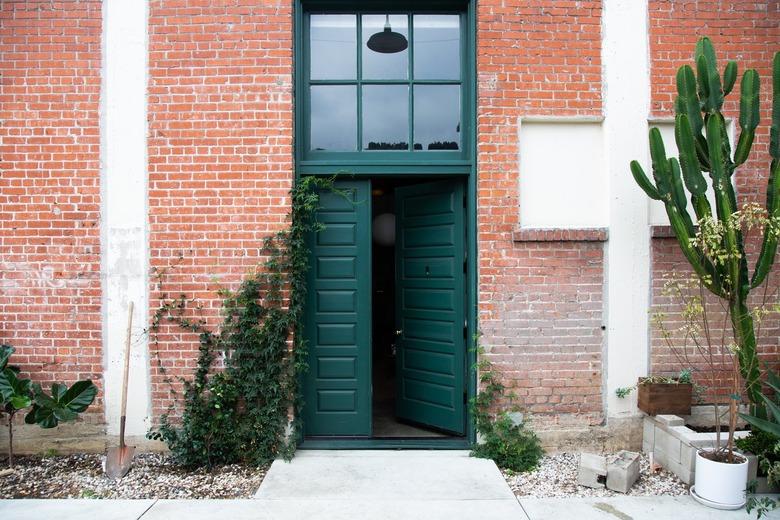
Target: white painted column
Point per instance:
(124, 208)
(625, 54)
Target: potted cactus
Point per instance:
(716, 250)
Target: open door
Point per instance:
(338, 318)
(430, 296)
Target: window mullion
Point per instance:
(410, 78)
(359, 80)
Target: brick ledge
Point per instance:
(664, 231)
(560, 235)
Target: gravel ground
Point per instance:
(153, 476)
(556, 476)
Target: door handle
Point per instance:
(399, 332)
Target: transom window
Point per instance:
(384, 84)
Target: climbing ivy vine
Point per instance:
(239, 410)
(511, 445)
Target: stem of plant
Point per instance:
(11, 439)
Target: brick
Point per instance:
(50, 294)
(540, 292)
(218, 180)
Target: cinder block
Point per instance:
(670, 420)
(683, 473)
(688, 458)
(622, 471)
(593, 470)
(648, 435)
(669, 444)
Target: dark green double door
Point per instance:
(430, 310)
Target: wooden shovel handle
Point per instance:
(126, 373)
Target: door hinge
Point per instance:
(465, 267)
(465, 331)
(465, 397)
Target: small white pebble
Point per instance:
(556, 477)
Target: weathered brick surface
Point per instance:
(220, 165)
(540, 303)
(749, 33)
(49, 189)
(220, 152)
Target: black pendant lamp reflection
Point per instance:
(387, 41)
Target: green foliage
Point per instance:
(759, 443)
(240, 412)
(769, 422)
(684, 377)
(764, 442)
(704, 146)
(511, 446)
(760, 505)
(17, 393)
(64, 404)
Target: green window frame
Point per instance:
(381, 161)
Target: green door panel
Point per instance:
(430, 306)
(337, 389)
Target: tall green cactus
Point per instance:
(704, 146)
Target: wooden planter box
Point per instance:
(665, 398)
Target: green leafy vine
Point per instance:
(239, 410)
(504, 439)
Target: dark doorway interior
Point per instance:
(384, 421)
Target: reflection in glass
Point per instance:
(436, 46)
(333, 44)
(436, 117)
(333, 117)
(378, 65)
(385, 117)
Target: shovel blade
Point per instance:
(119, 461)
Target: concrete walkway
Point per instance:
(376, 485)
(388, 485)
(616, 508)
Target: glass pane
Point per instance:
(334, 117)
(385, 117)
(333, 44)
(436, 46)
(436, 117)
(385, 65)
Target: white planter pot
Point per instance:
(719, 484)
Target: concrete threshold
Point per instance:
(387, 485)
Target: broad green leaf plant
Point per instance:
(16, 394)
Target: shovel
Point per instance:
(119, 460)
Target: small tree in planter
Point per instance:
(16, 394)
(716, 251)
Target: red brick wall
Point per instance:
(220, 152)
(749, 33)
(49, 189)
(540, 303)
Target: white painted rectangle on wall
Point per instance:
(563, 177)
